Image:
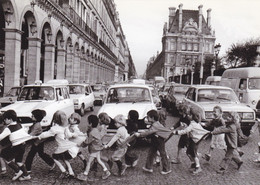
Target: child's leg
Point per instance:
(101, 162)
(61, 167)
(82, 157)
(69, 167)
(90, 160)
(3, 166)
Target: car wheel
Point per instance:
(92, 108)
(82, 110)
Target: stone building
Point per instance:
(77, 40)
(187, 39)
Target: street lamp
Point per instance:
(8, 15)
(216, 50)
(33, 28)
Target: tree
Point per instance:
(243, 54)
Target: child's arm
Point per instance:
(49, 133)
(6, 132)
(221, 130)
(184, 131)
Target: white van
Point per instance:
(213, 80)
(245, 82)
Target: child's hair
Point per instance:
(1, 120)
(235, 116)
(120, 119)
(60, 118)
(38, 114)
(10, 114)
(76, 117)
(195, 115)
(153, 114)
(104, 118)
(162, 117)
(93, 120)
(219, 108)
(133, 115)
(186, 109)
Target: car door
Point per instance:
(65, 103)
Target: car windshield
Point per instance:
(97, 88)
(128, 94)
(254, 83)
(36, 93)
(13, 92)
(76, 89)
(216, 95)
(180, 89)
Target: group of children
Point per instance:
(71, 141)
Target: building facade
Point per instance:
(187, 39)
(75, 40)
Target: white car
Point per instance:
(82, 96)
(122, 98)
(11, 96)
(99, 93)
(204, 97)
(50, 96)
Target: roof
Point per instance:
(209, 87)
(128, 85)
(213, 78)
(244, 72)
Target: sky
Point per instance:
(142, 21)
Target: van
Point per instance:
(245, 82)
(213, 80)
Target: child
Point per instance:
(158, 135)
(76, 135)
(183, 122)
(217, 141)
(35, 130)
(95, 146)
(3, 144)
(66, 149)
(131, 158)
(162, 117)
(230, 131)
(120, 136)
(17, 136)
(195, 134)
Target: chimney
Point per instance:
(209, 18)
(200, 18)
(180, 17)
(171, 14)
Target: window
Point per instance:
(242, 84)
(195, 47)
(189, 47)
(191, 94)
(183, 46)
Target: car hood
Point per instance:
(123, 108)
(25, 108)
(226, 107)
(75, 96)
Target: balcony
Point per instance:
(107, 48)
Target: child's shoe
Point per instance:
(206, 157)
(82, 177)
(148, 170)
(25, 178)
(135, 163)
(197, 170)
(176, 161)
(17, 175)
(166, 172)
(106, 174)
(221, 171)
(3, 173)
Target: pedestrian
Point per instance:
(158, 134)
(3, 144)
(13, 154)
(195, 134)
(131, 158)
(230, 131)
(37, 146)
(120, 136)
(75, 135)
(66, 149)
(95, 146)
(183, 122)
(217, 141)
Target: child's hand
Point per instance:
(172, 128)
(105, 146)
(175, 132)
(137, 134)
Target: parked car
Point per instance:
(213, 80)
(204, 97)
(99, 93)
(82, 96)
(122, 98)
(175, 96)
(156, 99)
(163, 93)
(50, 96)
(11, 96)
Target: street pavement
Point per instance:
(249, 173)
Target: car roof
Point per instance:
(129, 85)
(79, 84)
(209, 87)
(244, 72)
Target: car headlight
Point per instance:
(247, 115)
(209, 115)
(76, 101)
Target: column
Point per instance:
(82, 70)
(12, 58)
(49, 62)
(76, 69)
(61, 63)
(69, 66)
(34, 56)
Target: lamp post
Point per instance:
(216, 50)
